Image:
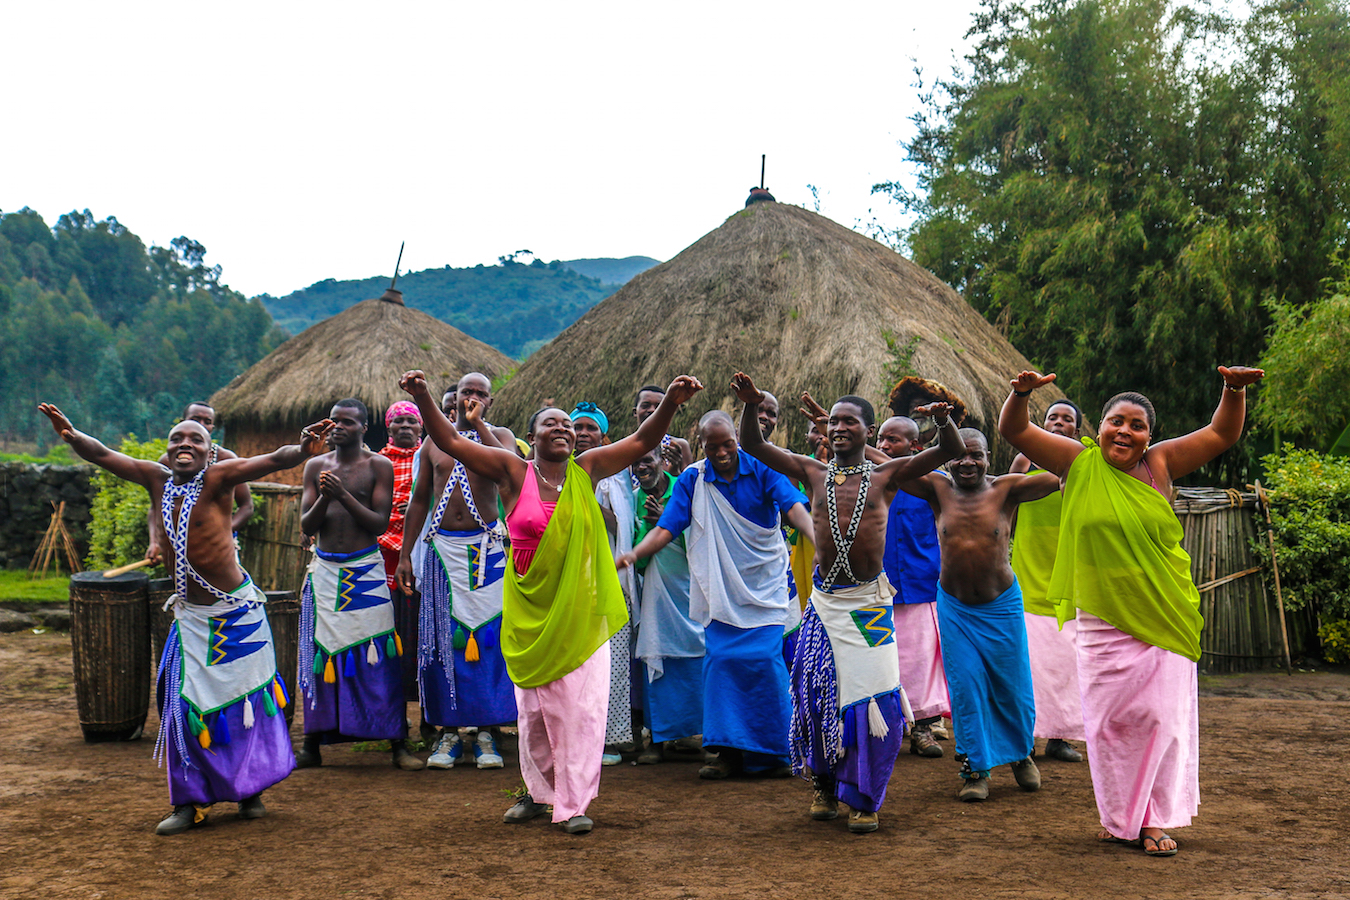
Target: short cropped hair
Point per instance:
(869, 415)
(353, 403)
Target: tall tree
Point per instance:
(1123, 185)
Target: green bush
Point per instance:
(1335, 637)
(1310, 519)
(117, 530)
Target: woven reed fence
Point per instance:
(270, 545)
(1242, 624)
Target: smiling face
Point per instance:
(718, 440)
(968, 469)
(553, 437)
(847, 430)
(647, 403)
(1062, 419)
(898, 438)
(768, 414)
(648, 469)
(349, 428)
(189, 448)
(1124, 434)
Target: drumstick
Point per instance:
(122, 570)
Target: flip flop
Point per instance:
(1157, 845)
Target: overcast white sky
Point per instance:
(302, 141)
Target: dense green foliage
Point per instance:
(1126, 188)
(515, 307)
(118, 335)
(1310, 349)
(117, 529)
(1310, 519)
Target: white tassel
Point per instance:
(372, 655)
(248, 710)
(906, 709)
(876, 722)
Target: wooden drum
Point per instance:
(110, 642)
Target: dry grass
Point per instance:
(361, 352)
(794, 299)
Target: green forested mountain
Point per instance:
(516, 307)
(120, 336)
(612, 271)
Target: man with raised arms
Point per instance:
(731, 505)
(220, 698)
(349, 649)
(461, 673)
(1054, 653)
(979, 607)
(846, 689)
(912, 562)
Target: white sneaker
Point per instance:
(485, 751)
(447, 751)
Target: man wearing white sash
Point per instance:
(731, 504)
(461, 674)
(849, 710)
(221, 728)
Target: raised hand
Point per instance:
(414, 382)
(64, 429)
(1029, 381)
(1240, 376)
(683, 388)
(314, 438)
(473, 412)
(935, 410)
(330, 485)
(673, 457)
(745, 389)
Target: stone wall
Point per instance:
(27, 492)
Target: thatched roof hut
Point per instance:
(360, 352)
(794, 299)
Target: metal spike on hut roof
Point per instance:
(391, 294)
(760, 194)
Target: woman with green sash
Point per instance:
(561, 600)
(1121, 574)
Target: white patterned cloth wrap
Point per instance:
(475, 566)
(340, 623)
(858, 620)
(615, 494)
(667, 632)
(738, 569)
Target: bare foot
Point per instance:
(1107, 837)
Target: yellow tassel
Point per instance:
(471, 649)
(205, 738)
(398, 642)
(281, 695)
(329, 676)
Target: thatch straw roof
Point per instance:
(794, 299)
(360, 352)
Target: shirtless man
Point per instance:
(221, 733)
(845, 674)
(979, 606)
(674, 450)
(349, 649)
(461, 587)
(202, 413)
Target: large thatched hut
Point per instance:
(360, 352)
(794, 299)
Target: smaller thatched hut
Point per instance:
(360, 352)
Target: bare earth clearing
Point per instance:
(76, 820)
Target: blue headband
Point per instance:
(588, 410)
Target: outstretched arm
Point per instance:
(924, 487)
(655, 540)
(137, 471)
(1052, 452)
(1033, 487)
(1189, 452)
(496, 463)
(896, 471)
(793, 465)
(602, 462)
(242, 469)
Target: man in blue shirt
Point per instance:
(731, 504)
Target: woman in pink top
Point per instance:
(561, 601)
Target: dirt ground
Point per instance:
(77, 819)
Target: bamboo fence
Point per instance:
(270, 545)
(1242, 626)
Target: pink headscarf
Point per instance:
(402, 408)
